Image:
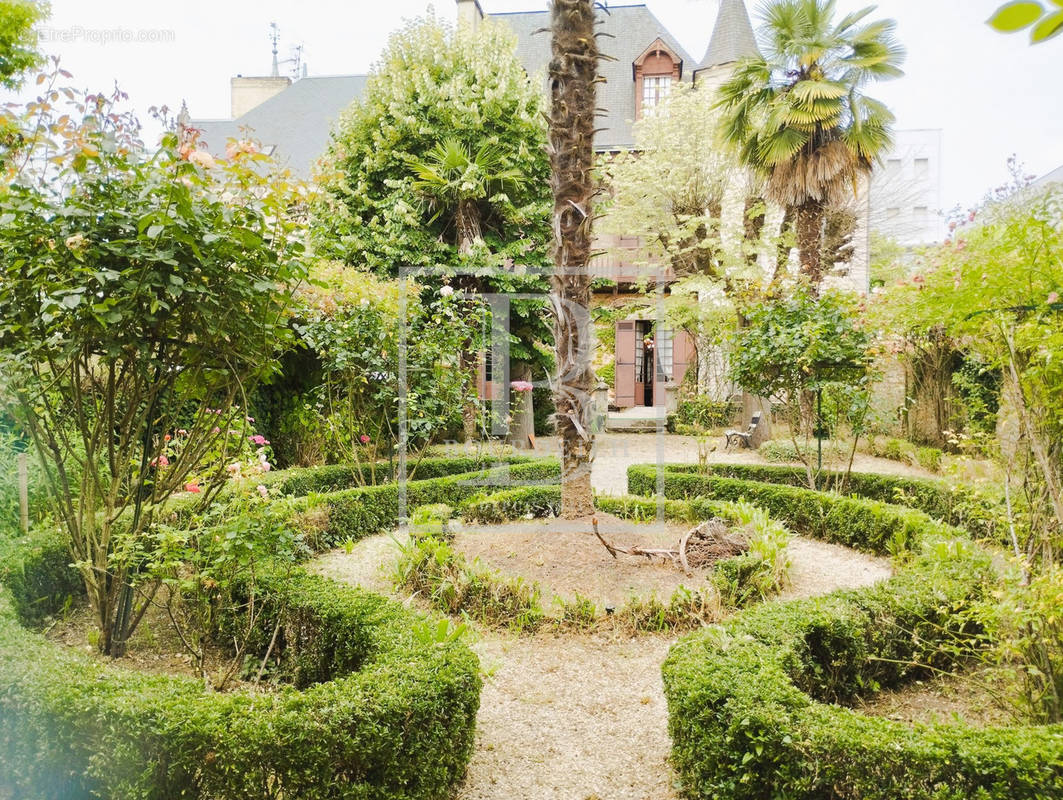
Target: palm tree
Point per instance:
(468, 188)
(454, 181)
(573, 79)
(797, 114)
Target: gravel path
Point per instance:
(571, 717)
(614, 452)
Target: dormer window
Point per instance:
(655, 89)
(654, 72)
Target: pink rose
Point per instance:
(364, 438)
(193, 488)
(521, 386)
(262, 490)
(201, 158)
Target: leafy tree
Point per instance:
(1044, 23)
(798, 115)
(573, 81)
(442, 164)
(355, 324)
(688, 199)
(18, 39)
(801, 345)
(996, 290)
(142, 293)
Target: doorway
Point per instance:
(645, 363)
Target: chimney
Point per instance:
(469, 13)
(246, 93)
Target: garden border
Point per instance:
(383, 707)
(751, 702)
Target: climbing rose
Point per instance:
(521, 386)
(364, 438)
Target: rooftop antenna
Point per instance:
(274, 37)
(296, 61)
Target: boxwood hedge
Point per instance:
(304, 480)
(971, 509)
(753, 703)
(360, 512)
(377, 706)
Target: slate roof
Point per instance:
(296, 121)
(732, 36)
(627, 32)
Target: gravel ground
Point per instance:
(571, 717)
(614, 452)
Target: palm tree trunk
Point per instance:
(467, 221)
(809, 224)
(573, 78)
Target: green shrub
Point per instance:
(11, 446)
(383, 713)
(753, 703)
(432, 521)
(864, 524)
(780, 451)
(353, 514)
(511, 504)
(687, 609)
(974, 511)
(750, 702)
(335, 477)
(704, 413)
(607, 373)
(929, 458)
(1025, 627)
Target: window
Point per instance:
(665, 349)
(893, 166)
(893, 213)
(922, 168)
(655, 89)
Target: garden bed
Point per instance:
(370, 693)
(754, 703)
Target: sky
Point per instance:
(992, 95)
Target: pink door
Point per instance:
(625, 364)
(684, 355)
(674, 352)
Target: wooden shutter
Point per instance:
(625, 363)
(683, 355)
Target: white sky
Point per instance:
(993, 95)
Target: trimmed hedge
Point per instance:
(867, 525)
(957, 505)
(384, 710)
(335, 477)
(751, 702)
(361, 512)
(510, 504)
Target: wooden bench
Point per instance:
(742, 438)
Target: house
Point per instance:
(293, 120)
(906, 194)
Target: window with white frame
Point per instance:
(655, 89)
